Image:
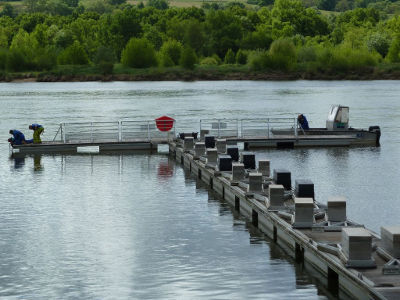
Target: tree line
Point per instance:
(286, 36)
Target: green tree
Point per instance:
(283, 55)
(188, 58)
(159, 4)
(173, 50)
(378, 42)
(326, 4)
(229, 57)
(73, 55)
(394, 51)
(139, 53)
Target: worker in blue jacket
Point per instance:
(18, 137)
(302, 120)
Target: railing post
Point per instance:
(64, 138)
(268, 127)
(200, 126)
(119, 131)
(219, 127)
(148, 130)
(91, 131)
(295, 128)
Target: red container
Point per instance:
(165, 123)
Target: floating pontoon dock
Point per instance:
(145, 135)
(354, 261)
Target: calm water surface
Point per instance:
(136, 226)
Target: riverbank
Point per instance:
(223, 72)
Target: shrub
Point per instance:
(188, 58)
(16, 61)
(139, 53)
(282, 55)
(209, 61)
(229, 57)
(394, 51)
(73, 55)
(3, 58)
(306, 54)
(165, 60)
(173, 50)
(104, 54)
(259, 60)
(106, 67)
(343, 59)
(241, 57)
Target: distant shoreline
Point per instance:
(201, 75)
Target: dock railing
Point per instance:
(220, 127)
(117, 131)
(247, 127)
(147, 130)
(264, 127)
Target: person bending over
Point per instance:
(37, 131)
(18, 137)
(302, 120)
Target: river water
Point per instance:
(136, 226)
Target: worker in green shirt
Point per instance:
(37, 131)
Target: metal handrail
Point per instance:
(116, 131)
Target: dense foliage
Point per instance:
(282, 35)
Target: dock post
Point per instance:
(391, 240)
(199, 149)
(284, 177)
(304, 188)
(209, 141)
(237, 172)
(249, 160)
(357, 247)
(276, 196)
(337, 209)
(221, 145)
(263, 167)
(212, 155)
(224, 162)
(255, 183)
(233, 151)
(304, 212)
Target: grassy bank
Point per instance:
(224, 72)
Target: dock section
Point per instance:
(354, 261)
(148, 134)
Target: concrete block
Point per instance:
(356, 245)
(212, 155)
(209, 140)
(263, 167)
(391, 240)
(248, 159)
(304, 212)
(284, 177)
(224, 162)
(255, 183)
(304, 188)
(188, 143)
(237, 171)
(233, 151)
(276, 196)
(199, 149)
(337, 209)
(221, 145)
